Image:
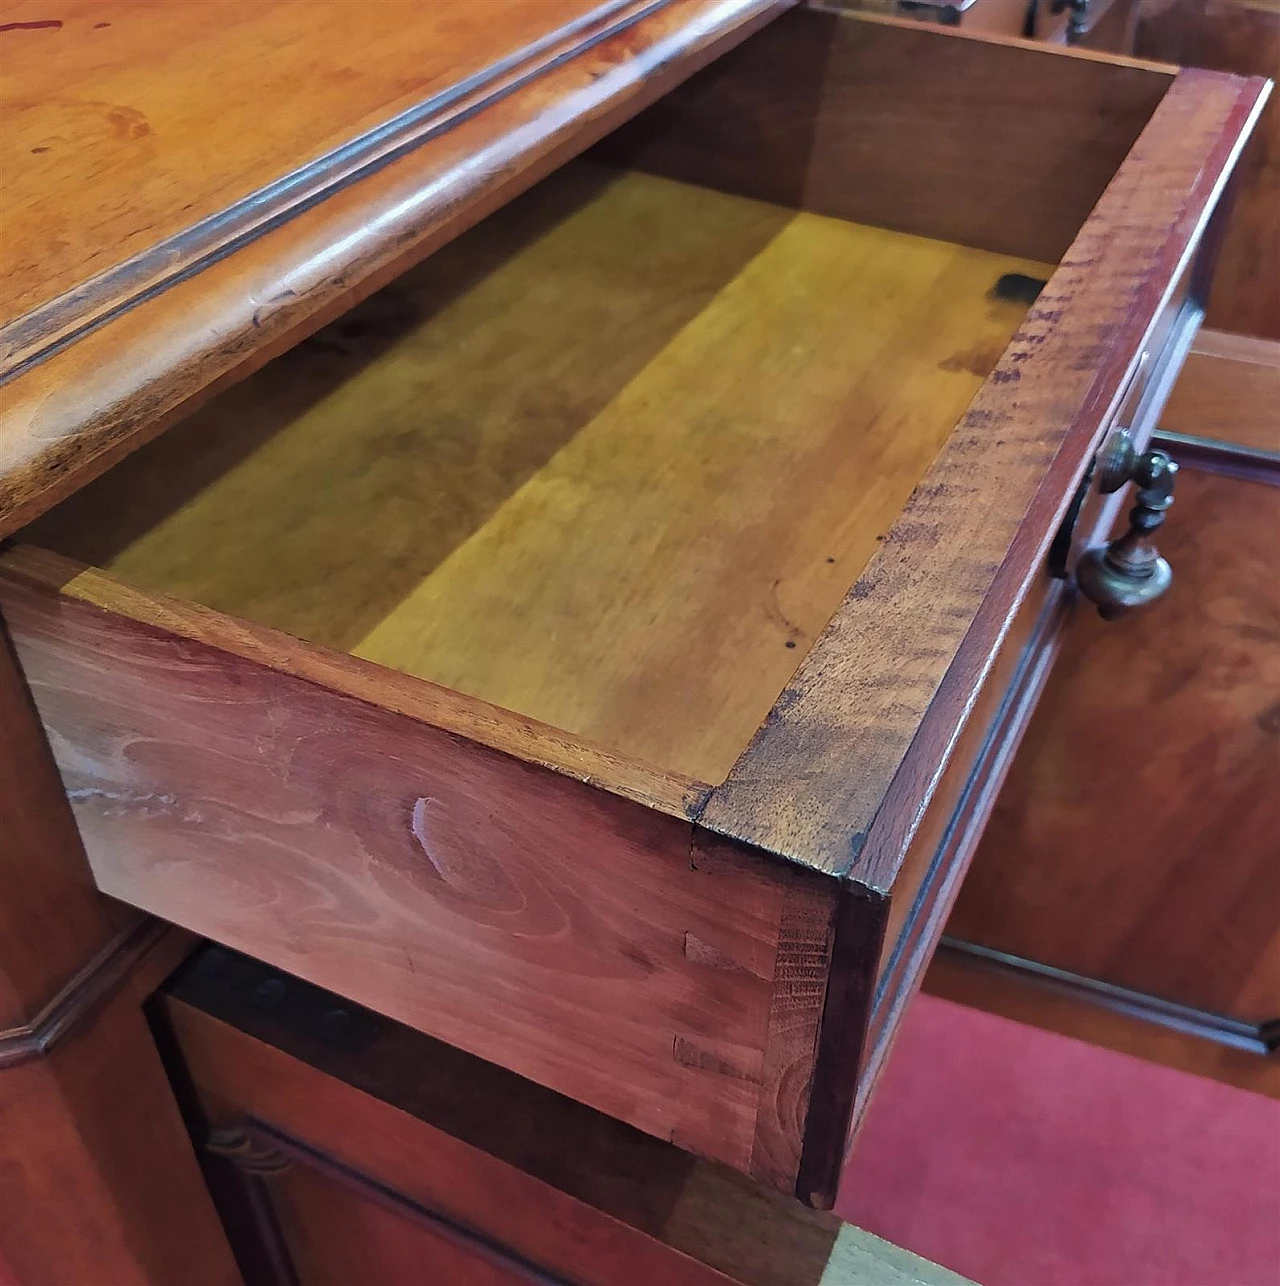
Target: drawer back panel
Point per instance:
(988, 144)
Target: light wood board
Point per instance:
(612, 460)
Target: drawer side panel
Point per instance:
(531, 919)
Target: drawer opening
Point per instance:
(611, 460)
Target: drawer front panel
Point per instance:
(579, 939)
(940, 850)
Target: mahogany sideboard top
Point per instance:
(596, 567)
(221, 180)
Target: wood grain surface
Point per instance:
(904, 655)
(127, 123)
(1229, 390)
(85, 404)
(611, 460)
(452, 712)
(987, 143)
(1237, 36)
(52, 920)
(581, 939)
(339, 1227)
(1135, 841)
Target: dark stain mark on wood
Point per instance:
(687, 1054)
(42, 24)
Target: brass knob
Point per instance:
(1129, 572)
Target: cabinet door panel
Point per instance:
(1136, 840)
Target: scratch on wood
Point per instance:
(687, 1054)
(704, 953)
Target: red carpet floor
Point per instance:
(1022, 1158)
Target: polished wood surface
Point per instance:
(102, 175)
(1238, 36)
(588, 942)
(1229, 390)
(452, 712)
(905, 125)
(100, 1184)
(108, 369)
(667, 464)
(1135, 841)
(466, 1143)
(338, 1229)
(44, 878)
(714, 1036)
(895, 671)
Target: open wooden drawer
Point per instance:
(600, 648)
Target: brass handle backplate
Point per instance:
(1129, 572)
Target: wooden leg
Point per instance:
(99, 1185)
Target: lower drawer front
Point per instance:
(346, 1149)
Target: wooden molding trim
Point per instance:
(1238, 348)
(82, 996)
(904, 972)
(1212, 455)
(51, 326)
(247, 1148)
(261, 1151)
(1255, 1038)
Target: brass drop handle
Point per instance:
(1129, 572)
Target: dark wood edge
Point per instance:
(802, 969)
(82, 996)
(861, 917)
(1214, 235)
(903, 973)
(1234, 1033)
(50, 326)
(1212, 455)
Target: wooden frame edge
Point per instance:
(861, 917)
(1261, 1039)
(82, 995)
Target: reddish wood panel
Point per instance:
(467, 1141)
(1239, 36)
(52, 920)
(1229, 390)
(97, 1181)
(338, 1228)
(564, 932)
(907, 126)
(1135, 840)
(98, 1178)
